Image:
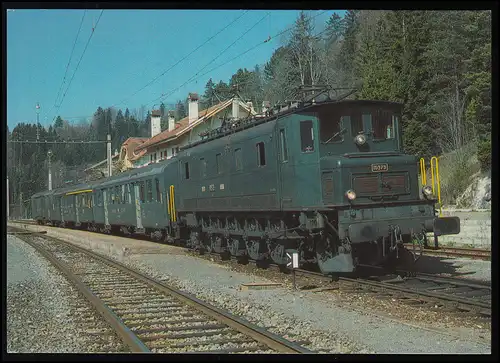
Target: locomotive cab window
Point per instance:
(306, 136)
(141, 191)
(261, 154)
(383, 125)
(356, 123)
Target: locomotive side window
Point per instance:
(383, 125)
(238, 159)
(218, 162)
(186, 171)
(306, 136)
(284, 150)
(203, 169)
(149, 191)
(123, 194)
(261, 154)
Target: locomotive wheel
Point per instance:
(257, 250)
(236, 247)
(277, 252)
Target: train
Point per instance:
(326, 179)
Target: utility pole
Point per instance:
(109, 154)
(37, 121)
(21, 205)
(49, 154)
(8, 205)
(108, 139)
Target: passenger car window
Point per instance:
(306, 136)
(149, 189)
(284, 150)
(158, 191)
(261, 154)
(141, 192)
(238, 159)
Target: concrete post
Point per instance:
(49, 154)
(109, 154)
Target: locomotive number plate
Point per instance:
(380, 167)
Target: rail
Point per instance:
(123, 295)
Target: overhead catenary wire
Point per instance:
(164, 96)
(182, 59)
(69, 61)
(225, 50)
(79, 61)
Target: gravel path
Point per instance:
(300, 315)
(45, 313)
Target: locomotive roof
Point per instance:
(243, 124)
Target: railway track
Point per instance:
(150, 316)
(424, 289)
(474, 253)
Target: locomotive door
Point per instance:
(105, 203)
(61, 208)
(77, 208)
(138, 211)
(285, 169)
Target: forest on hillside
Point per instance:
(437, 63)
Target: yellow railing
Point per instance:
(171, 208)
(435, 181)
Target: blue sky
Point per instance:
(128, 49)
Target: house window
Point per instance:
(306, 136)
(149, 191)
(284, 150)
(261, 154)
(238, 159)
(173, 151)
(203, 169)
(218, 161)
(186, 171)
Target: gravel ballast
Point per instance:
(301, 316)
(45, 313)
(321, 318)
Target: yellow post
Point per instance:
(423, 173)
(436, 184)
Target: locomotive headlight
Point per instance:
(350, 194)
(360, 139)
(427, 192)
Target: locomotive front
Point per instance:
(371, 197)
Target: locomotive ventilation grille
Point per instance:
(380, 184)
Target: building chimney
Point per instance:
(236, 108)
(193, 107)
(266, 105)
(171, 121)
(155, 122)
(250, 106)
